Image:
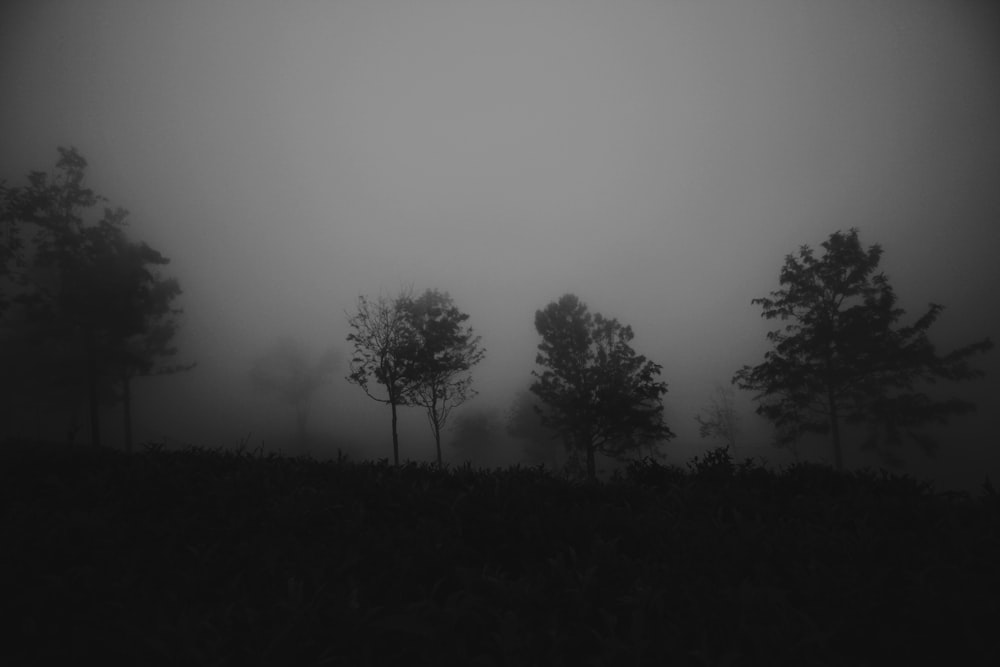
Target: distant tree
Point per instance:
(476, 434)
(11, 244)
(842, 359)
(286, 371)
(84, 290)
(598, 394)
(720, 419)
(446, 349)
(385, 346)
(541, 444)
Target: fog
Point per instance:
(657, 159)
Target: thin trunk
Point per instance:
(127, 410)
(95, 414)
(395, 436)
(591, 463)
(437, 439)
(835, 431)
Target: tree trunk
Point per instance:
(437, 439)
(395, 436)
(591, 463)
(835, 431)
(95, 409)
(127, 410)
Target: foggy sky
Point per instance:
(658, 159)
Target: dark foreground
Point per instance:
(201, 558)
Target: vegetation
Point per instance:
(446, 349)
(598, 394)
(419, 351)
(843, 359)
(384, 346)
(231, 558)
(84, 307)
(228, 558)
(720, 419)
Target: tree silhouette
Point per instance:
(720, 420)
(385, 346)
(143, 321)
(286, 371)
(84, 290)
(842, 359)
(597, 392)
(445, 351)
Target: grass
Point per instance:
(197, 557)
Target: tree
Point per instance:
(842, 359)
(285, 370)
(445, 351)
(385, 346)
(11, 244)
(598, 394)
(720, 420)
(83, 290)
(476, 434)
(142, 322)
(541, 445)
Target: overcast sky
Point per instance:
(658, 159)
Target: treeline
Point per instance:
(84, 310)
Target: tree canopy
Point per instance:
(598, 394)
(842, 358)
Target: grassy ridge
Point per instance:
(215, 558)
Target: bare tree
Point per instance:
(385, 345)
(285, 370)
(720, 420)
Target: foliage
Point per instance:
(85, 291)
(842, 359)
(198, 557)
(598, 394)
(285, 370)
(720, 420)
(445, 352)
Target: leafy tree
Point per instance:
(843, 359)
(385, 346)
(445, 351)
(720, 420)
(83, 290)
(598, 394)
(143, 322)
(286, 371)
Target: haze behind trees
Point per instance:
(85, 310)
